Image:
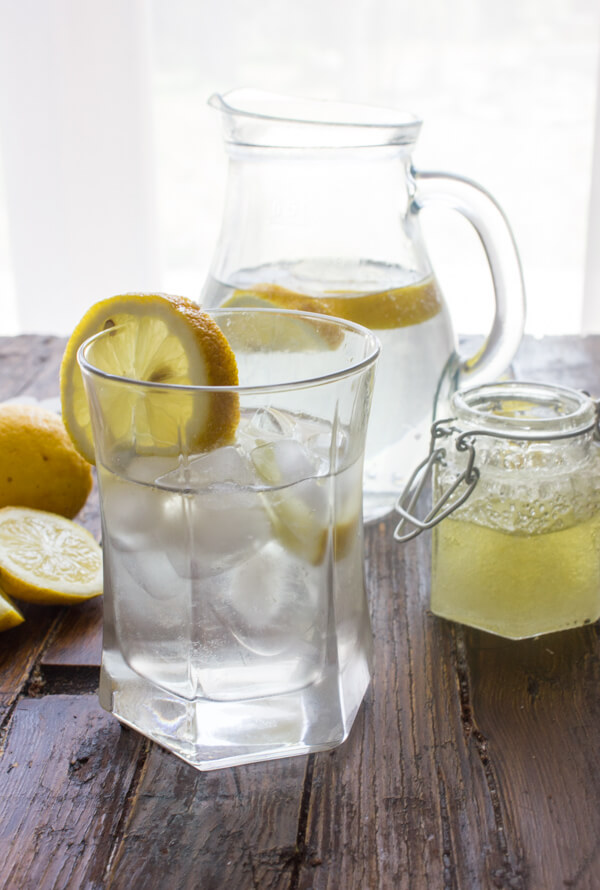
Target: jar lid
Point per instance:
(515, 410)
(525, 410)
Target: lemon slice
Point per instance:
(10, 616)
(299, 510)
(45, 558)
(158, 339)
(295, 525)
(392, 308)
(288, 332)
(302, 532)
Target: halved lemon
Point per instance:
(392, 308)
(10, 616)
(157, 338)
(45, 558)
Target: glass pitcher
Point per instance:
(322, 214)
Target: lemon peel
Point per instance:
(162, 339)
(39, 466)
(10, 615)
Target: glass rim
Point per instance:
(347, 370)
(579, 415)
(390, 117)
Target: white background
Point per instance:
(112, 169)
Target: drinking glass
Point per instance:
(236, 626)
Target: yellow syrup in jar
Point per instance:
(516, 585)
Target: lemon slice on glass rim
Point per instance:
(45, 558)
(158, 339)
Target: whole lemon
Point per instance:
(39, 467)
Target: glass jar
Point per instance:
(516, 515)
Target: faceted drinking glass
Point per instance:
(235, 618)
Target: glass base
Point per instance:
(512, 628)
(210, 734)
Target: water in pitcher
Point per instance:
(417, 364)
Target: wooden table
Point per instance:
(473, 762)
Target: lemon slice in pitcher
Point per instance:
(394, 307)
(45, 558)
(157, 338)
(291, 333)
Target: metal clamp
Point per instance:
(465, 441)
(469, 477)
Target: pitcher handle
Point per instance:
(490, 223)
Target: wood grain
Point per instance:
(30, 365)
(235, 828)
(66, 772)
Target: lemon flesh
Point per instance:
(157, 339)
(392, 308)
(10, 616)
(45, 558)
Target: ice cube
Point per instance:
(131, 513)
(269, 424)
(219, 519)
(323, 446)
(223, 466)
(286, 462)
(274, 609)
(152, 616)
(139, 578)
(297, 502)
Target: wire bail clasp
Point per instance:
(405, 504)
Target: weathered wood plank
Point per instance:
(78, 640)
(234, 828)
(30, 365)
(536, 713)
(406, 803)
(570, 361)
(66, 770)
(20, 649)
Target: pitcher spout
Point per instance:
(258, 117)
